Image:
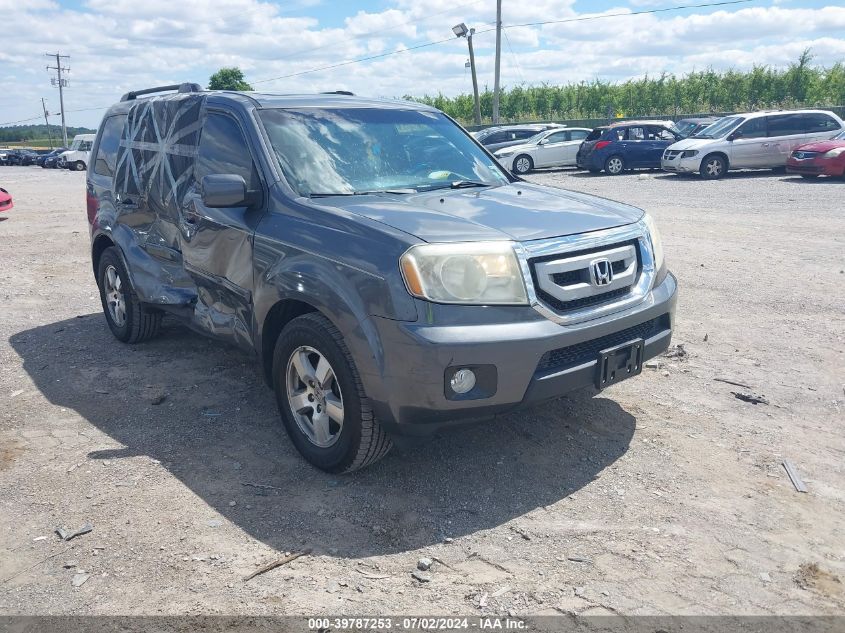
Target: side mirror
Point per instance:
(542, 141)
(734, 135)
(223, 190)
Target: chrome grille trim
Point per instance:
(571, 243)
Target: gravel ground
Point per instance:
(662, 495)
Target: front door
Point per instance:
(217, 244)
(552, 151)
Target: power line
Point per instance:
(507, 26)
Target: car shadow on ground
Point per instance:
(218, 430)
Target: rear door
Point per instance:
(217, 244)
(635, 146)
(750, 145)
(573, 144)
(99, 188)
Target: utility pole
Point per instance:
(62, 82)
(46, 122)
(498, 62)
(460, 30)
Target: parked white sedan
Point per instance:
(552, 148)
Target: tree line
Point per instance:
(15, 133)
(762, 87)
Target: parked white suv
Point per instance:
(757, 140)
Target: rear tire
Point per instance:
(128, 319)
(522, 164)
(713, 167)
(79, 166)
(614, 165)
(325, 411)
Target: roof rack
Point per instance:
(184, 87)
(339, 92)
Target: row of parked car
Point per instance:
(806, 142)
(74, 157)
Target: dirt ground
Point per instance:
(661, 495)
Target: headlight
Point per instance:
(689, 153)
(836, 151)
(479, 273)
(656, 241)
(503, 154)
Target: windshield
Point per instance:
(720, 128)
(685, 128)
(345, 151)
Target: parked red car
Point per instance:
(821, 158)
(5, 200)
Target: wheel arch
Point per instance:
(99, 245)
(721, 154)
(282, 313)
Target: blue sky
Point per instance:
(119, 45)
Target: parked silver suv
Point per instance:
(757, 140)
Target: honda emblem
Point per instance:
(601, 272)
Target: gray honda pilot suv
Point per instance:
(390, 276)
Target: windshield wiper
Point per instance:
(461, 184)
(360, 193)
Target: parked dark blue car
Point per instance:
(629, 145)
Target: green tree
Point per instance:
(228, 79)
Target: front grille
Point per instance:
(804, 155)
(580, 353)
(565, 283)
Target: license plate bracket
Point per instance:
(619, 363)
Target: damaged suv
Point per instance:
(390, 276)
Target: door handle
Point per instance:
(765, 145)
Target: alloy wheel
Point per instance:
(614, 165)
(714, 167)
(523, 165)
(115, 300)
(314, 396)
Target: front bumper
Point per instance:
(506, 161)
(412, 395)
(681, 165)
(816, 166)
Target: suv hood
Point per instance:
(517, 211)
(694, 143)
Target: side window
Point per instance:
(223, 150)
(618, 134)
(109, 142)
(786, 124)
(661, 134)
(524, 134)
(753, 128)
(577, 135)
(636, 134)
(818, 122)
(557, 137)
(496, 137)
(85, 146)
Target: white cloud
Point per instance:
(118, 45)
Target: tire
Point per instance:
(614, 165)
(358, 440)
(135, 322)
(713, 167)
(79, 166)
(522, 164)
(810, 176)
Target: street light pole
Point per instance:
(498, 62)
(461, 30)
(474, 78)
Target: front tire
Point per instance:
(128, 319)
(321, 399)
(713, 167)
(522, 164)
(79, 166)
(614, 165)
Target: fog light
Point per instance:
(462, 381)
